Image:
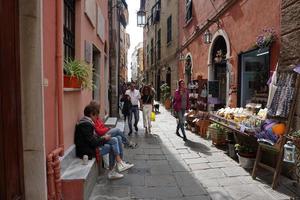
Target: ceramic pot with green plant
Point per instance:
(81, 70)
(166, 92)
(217, 134)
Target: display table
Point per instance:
(231, 125)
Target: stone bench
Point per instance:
(77, 177)
(78, 180)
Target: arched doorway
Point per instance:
(219, 69)
(188, 69)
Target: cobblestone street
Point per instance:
(166, 167)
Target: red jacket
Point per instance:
(177, 101)
(100, 127)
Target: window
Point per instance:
(69, 29)
(158, 44)
(151, 51)
(188, 10)
(169, 29)
(148, 54)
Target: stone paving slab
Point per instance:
(166, 167)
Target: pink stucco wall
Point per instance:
(243, 22)
(49, 74)
(74, 102)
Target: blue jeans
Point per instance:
(114, 148)
(114, 132)
(135, 111)
(181, 120)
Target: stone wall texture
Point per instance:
(290, 38)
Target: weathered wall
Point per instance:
(32, 97)
(49, 71)
(168, 50)
(74, 102)
(242, 22)
(290, 38)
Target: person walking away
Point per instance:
(86, 142)
(147, 107)
(135, 97)
(181, 104)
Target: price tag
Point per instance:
(242, 129)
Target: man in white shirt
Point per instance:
(135, 97)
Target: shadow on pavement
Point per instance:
(198, 147)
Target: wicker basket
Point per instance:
(202, 126)
(217, 138)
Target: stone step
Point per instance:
(78, 180)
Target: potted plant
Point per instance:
(78, 74)
(217, 134)
(166, 95)
(246, 155)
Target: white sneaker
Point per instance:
(122, 166)
(114, 175)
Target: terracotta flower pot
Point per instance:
(167, 104)
(71, 82)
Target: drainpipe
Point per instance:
(59, 71)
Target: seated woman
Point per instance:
(86, 142)
(102, 130)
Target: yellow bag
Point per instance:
(152, 117)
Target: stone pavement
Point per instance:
(166, 167)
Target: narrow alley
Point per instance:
(166, 167)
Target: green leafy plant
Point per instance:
(220, 129)
(166, 92)
(296, 134)
(81, 70)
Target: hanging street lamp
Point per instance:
(141, 18)
(207, 37)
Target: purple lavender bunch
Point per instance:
(266, 38)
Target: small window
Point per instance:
(188, 10)
(151, 51)
(158, 44)
(148, 54)
(169, 29)
(69, 29)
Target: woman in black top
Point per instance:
(147, 106)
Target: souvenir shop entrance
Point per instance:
(253, 73)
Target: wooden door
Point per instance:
(11, 156)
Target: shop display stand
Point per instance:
(278, 147)
(195, 93)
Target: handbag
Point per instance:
(152, 117)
